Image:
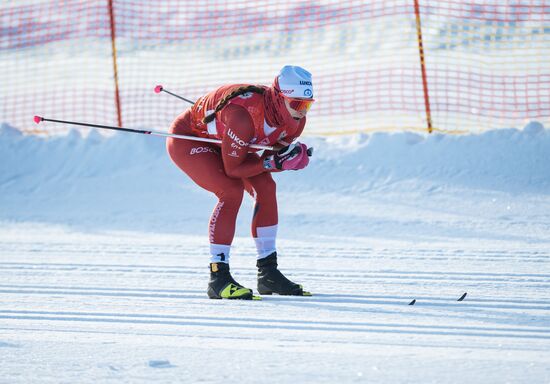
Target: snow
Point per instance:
(104, 253)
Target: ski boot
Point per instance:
(223, 286)
(271, 280)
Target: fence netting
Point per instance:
(485, 63)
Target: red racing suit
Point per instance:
(232, 167)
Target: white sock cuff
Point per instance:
(265, 242)
(219, 253)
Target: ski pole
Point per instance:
(160, 88)
(38, 119)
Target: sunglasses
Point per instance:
(299, 104)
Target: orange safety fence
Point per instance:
(451, 66)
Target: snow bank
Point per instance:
(127, 180)
(506, 160)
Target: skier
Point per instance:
(240, 115)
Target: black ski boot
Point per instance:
(223, 286)
(271, 280)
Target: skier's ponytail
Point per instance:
(237, 92)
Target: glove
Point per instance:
(291, 157)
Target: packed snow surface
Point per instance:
(104, 254)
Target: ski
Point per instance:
(461, 298)
(304, 293)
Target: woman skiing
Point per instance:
(240, 115)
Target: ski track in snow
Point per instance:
(133, 307)
(98, 282)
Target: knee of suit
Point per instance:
(231, 194)
(266, 190)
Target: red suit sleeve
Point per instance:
(239, 132)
